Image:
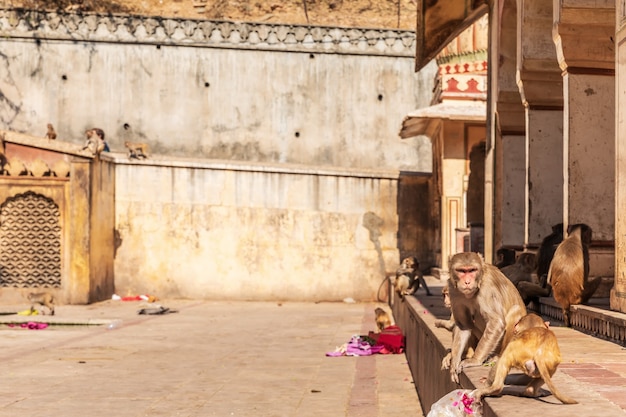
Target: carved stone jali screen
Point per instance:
(30, 242)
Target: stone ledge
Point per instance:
(93, 27)
(426, 345)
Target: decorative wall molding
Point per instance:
(21, 23)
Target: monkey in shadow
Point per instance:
(533, 290)
(569, 270)
(522, 269)
(505, 257)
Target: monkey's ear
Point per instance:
(547, 323)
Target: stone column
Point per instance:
(508, 134)
(618, 293)
(541, 88)
(583, 37)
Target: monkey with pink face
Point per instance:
(485, 304)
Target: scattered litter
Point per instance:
(156, 310)
(457, 403)
(140, 297)
(390, 340)
(114, 324)
(349, 300)
(31, 325)
(29, 312)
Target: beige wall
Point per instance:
(217, 230)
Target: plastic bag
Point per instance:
(457, 403)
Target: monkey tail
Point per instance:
(545, 375)
(382, 285)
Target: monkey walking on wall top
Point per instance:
(137, 150)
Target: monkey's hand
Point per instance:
(454, 374)
(446, 361)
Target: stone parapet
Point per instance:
(94, 27)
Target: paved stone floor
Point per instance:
(207, 359)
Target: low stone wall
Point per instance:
(426, 346)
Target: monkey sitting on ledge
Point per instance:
(485, 304)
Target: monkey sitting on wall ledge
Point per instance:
(409, 277)
(485, 304)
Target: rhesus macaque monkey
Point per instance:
(446, 324)
(43, 299)
(51, 134)
(532, 349)
(409, 268)
(531, 291)
(95, 141)
(505, 257)
(382, 319)
(569, 270)
(484, 304)
(522, 269)
(137, 150)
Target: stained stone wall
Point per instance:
(220, 90)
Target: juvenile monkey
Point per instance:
(569, 271)
(137, 150)
(382, 319)
(446, 324)
(484, 304)
(532, 349)
(43, 299)
(51, 134)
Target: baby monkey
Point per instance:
(137, 150)
(382, 319)
(43, 299)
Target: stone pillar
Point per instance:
(508, 134)
(541, 88)
(618, 293)
(583, 37)
(453, 173)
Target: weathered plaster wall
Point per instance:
(252, 92)
(202, 229)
